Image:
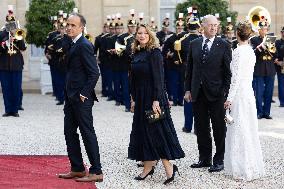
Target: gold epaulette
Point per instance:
(126, 38)
(177, 45)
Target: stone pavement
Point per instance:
(39, 130)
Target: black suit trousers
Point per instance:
(79, 114)
(204, 111)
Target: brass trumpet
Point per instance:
(119, 48)
(255, 15)
(20, 34)
(269, 42)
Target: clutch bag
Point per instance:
(228, 118)
(153, 117)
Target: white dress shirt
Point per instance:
(210, 42)
(76, 38)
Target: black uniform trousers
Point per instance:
(204, 111)
(79, 114)
(11, 83)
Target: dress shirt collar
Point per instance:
(76, 38)
(211, 39)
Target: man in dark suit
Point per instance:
(207, 84)
(81, 78)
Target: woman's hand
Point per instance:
(156, 107)
(227, 105)
(132, 105)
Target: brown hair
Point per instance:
(152, 43)
(244, 30)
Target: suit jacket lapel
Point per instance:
(73, 47)
(213, 48)
(199, 48)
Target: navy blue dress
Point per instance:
(158, 140)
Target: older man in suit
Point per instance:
(207, 84)
(81, 78)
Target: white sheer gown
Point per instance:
(243, 156)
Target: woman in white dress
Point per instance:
(243, 156)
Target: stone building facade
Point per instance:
(95, 12)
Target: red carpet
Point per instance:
(37, 172)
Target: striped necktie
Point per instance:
(205, 50)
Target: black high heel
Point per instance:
(175, 169)
(143, 178)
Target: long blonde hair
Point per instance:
(151, 44)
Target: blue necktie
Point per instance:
(205, 50)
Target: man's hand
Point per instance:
(170, 54)
(187, 96)
(83, 98)
(261, 46)
(279, 63)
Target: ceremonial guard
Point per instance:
(165, 32)
(108, 44)
(114, 59)
(132, 25)
(230, 34)
(122, 65)
(280, 67)
(153, 26)
(61, 46)
(49, 50)
(193, 26)
(100, 49)
(174, 68)
(163, 36)
(264, 70)
(12, 40)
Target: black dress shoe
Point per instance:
(185, 130)
(59, 103)
(201, 164)
(15, 115)
(267, 117)
(259, 116)
(216, 168)
(21, 108)
(117, 103)
(6, 115)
